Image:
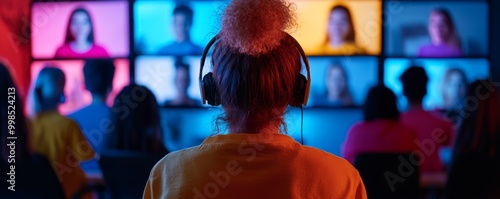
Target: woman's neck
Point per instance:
(270, 128)
(80, 45)
(336, 41)
(333, 97)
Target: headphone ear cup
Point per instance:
(210, 90)
(299, 91)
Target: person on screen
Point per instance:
(475, 167)
(445, 41)
(256, 77)
(182, 22)
(453, 88)
(433, 132)
(136, 128)
(79, 42)
(182, 82)
(337, 88)
(341, 36)
(57, 137)
(381, 130)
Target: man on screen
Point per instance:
(182, 22)
(182, 82)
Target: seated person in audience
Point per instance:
(183, 20)
(381, 131)
(341, 37)
(182, 82)
(94, 119)
(445, 41)
(55, 136)
(135, 119)
(256, 75)
(337, 88)
(12, 110)
(433, 132)
(475, 167)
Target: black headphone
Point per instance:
(210, 94)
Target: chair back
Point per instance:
(34, 178)
(389, 175)
(126, 172)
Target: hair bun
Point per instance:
(256, 26)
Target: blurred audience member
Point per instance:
(381, 131)
(55, 136)
(93, 118)
(12, 110)
(135, 121)
(475, 168)
(432, 131)
(30, 170)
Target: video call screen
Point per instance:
(80, 29)
(341, 81)
(437, 28)
(170, 28)
(74, 90)
(339, 27)
(343, 40)
(168, 76)
(448, 79)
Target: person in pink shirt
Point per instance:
(79, 42)
(381, 131)
(433, 132)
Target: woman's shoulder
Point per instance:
(320, 157)
(55, 121)
(179, 157)
(63, 50)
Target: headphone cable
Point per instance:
(301, 125)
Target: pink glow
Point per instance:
(110, 23)
(76, 95)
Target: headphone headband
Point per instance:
(296, 43)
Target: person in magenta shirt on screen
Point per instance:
(79, 42)
(381, 130)
(445, 41)
(433, 132)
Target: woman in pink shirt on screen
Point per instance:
(79, 42)
(381, 131)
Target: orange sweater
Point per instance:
(60, 140)
(253, 166)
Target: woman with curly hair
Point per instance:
(256, 75)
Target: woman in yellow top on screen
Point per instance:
(341, 36)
